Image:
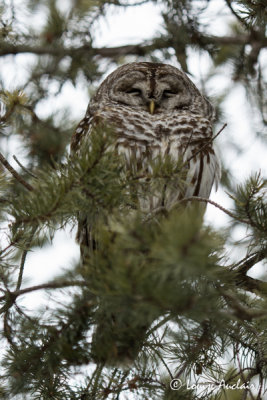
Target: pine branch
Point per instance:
(240, 19)
(244, 266)
(252, 284)
(139, 49)
(243, 313)
(19, 178)
(49, 285)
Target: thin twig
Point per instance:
(204, 200)
(23, 259)
(187, 144)
(244, 266)
(21, 269)
(205, 145)
(236, 374)
(200, 199)
(24, 168)
(181, 370)
(240, 311)
(161, 358)
(253, 285)
(247, 389)
(49, 285)
(6, 164)
(240, 19)
(8, 331)
(111, 381)
(99, 369)
(157, 326)
(6, 248)
(140, 3)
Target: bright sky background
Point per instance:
(132, 26)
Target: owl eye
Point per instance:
(134, 91)
(168, 93)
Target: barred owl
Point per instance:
(155, 110)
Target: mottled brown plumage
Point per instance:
(179, 126)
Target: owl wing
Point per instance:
(84, 128)
(85, 236)
(203, 171)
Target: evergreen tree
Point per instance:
(169, 270)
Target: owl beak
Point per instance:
(151, 106)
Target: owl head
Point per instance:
(152, 87)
